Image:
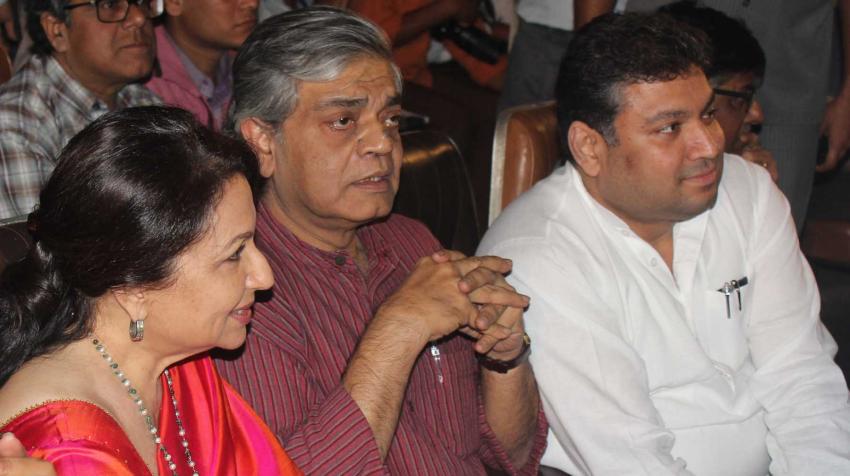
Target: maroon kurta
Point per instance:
(302, 339)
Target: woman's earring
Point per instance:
(137, 330)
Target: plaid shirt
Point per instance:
(41, 108)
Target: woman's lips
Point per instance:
(243, 315)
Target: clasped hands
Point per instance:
(448, 292)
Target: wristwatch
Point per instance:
(502, 366)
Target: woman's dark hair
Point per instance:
(616, 50)
(129, 194)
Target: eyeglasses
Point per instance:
(741, 100)
(115, 11)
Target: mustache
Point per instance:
(701, 167)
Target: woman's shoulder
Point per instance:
(77, 436)
(60, 418)
(53, 406)
(55, 377)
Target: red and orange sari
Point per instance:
(225, 436)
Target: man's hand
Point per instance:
(755, 153)
(498, 327)
(442, 292)
(434, 301)
(14, 460)
(836, 126)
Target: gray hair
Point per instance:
(311, 44)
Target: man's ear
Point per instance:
(587, 147)
(261, 137)
(174, 8)
(56, 32)
(132, 300)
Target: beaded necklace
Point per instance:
(149, 421)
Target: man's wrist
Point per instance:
(402, 327)
(503, 366)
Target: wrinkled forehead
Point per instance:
(360, 67)
(363, 80)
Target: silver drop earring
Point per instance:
(137, 330)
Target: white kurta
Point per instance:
(643, 371)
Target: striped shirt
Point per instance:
(303, 337)
(41, 108)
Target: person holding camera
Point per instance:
(458, 97)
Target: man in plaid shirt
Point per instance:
(86, 55)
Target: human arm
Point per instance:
(24, 174)
(511, 409)
(836, 121)
(593, 384)
(7, 19)
(514, 428)
(301, 401)
(14, 460)
(402, 27)
(586, 10)
(428, 306)
(801, 389)
(301, 350)
(64, 442)
(755, 153)
(27, 139)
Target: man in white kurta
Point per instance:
(674, 319)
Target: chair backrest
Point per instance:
(15, 240)
(436, 190)
(827, 242)
(525, 150)
(5, 64)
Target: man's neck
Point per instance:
(316, 232)
(658, 236)
(657, 233)
(105, 92)
(204, 58)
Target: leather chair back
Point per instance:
(436, 190)
(827, 242)
(15, 240)
(525, 149)
(6, 69)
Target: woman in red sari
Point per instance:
(143, 260)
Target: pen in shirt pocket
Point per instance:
(733, 286)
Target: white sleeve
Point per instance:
(802, 390)
(592, 382)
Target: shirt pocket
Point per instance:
(722, 325)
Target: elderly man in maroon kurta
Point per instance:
(371, 357)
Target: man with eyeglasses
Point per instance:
(674, 318)
(86, 55)
(736, 72)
